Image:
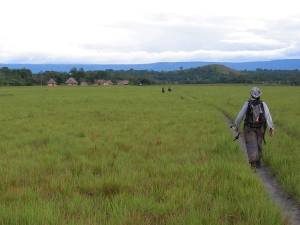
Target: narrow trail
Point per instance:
(290, 207)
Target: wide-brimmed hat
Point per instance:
(255, 92)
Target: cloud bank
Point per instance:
(142, 32)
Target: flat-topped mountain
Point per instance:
(286, 64)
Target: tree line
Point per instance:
(201, 75)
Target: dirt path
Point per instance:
(289, 207)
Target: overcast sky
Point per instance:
(143, 31)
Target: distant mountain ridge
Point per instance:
(285, 64)
(208, 74)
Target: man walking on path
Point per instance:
(257, 118)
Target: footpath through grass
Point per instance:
(127, 155)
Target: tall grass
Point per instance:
(281, 152)
(124, 155)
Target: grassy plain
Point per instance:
(132, 155)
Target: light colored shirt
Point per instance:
(243, 111)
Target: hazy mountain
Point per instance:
(287, 64)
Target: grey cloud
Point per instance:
(162, 33)
(171, 37)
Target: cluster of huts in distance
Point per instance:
(73, 82)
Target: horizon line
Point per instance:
(68, 63)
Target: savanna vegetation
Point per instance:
(133, 155)
(202, 75)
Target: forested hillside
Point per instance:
(201, 75)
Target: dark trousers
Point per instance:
(254, 138)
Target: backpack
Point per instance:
(255, 115)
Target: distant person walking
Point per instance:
(257, 118)
(163, 90)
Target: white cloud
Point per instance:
(253, 41)
(138, 31)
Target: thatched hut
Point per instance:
(99, 82)
(84, 83)
(123, 82)
(71, 82)
(108, 82)
(104, 82)
(52, 83)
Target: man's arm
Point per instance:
(268, 116)
(241, 115)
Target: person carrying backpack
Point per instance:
(257, 118)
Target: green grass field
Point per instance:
(135, 156)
